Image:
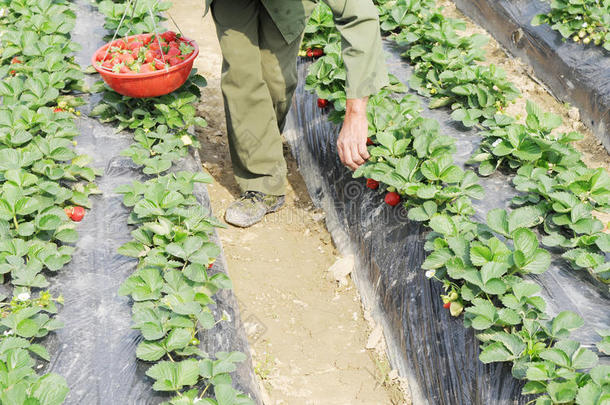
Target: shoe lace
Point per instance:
(252, 195)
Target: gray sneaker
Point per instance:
(251, 207)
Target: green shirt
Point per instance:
(357, 22)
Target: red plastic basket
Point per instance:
(152, 84)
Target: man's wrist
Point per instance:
(356, 106)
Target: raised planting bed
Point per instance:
(575, 73)
(439, 357)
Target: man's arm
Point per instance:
(366, 73)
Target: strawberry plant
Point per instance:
(586, 21)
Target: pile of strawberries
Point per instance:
(145, 53)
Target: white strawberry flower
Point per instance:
(24, 296)
(430, 273)
(186, 140)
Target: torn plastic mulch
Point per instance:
(574, 73)
(433, 350)
(95, 350)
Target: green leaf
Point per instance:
(423, 212)
(495, 352)
(50, 389)
(443, 224)
(565, 322)
(525, 241)
(177, 339)
(188, 372)
(67, 236)
(556, 356)
(497, 219)
(583, 359)
(524, 217)
(150, 351)
(132, 249)
(437, 259)
(27, 328)
(525, 289)
(589, 394)
(539, 263)
(562, 392)
(40, 350)
(48, 222)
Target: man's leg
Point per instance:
(279, 65)
(254, 137)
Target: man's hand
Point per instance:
(352, 138)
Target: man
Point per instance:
(260, 40)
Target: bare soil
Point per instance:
(307, 332)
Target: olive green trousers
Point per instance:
(259, 77)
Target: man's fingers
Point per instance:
(364, 153)
(345, 155)
(356, 156)
(349, 159)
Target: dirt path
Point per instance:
(308, 333)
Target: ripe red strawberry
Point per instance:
(322, 103)
(174, 61)
(159, 65)
(107, 65)
(15, 60)
(147, 67)
(369, 141)
(119, 43)
(58, 110)
(168, 36)
(172, 52)
(309, 53)
(145, 38)
(78, 214)
(447, 304)
(125, 69)
(392, 198)
(135, 44)
(149, 56)
(126, 58)
(372, 184)
(210, 265)
(317, 52)
(13, 72)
